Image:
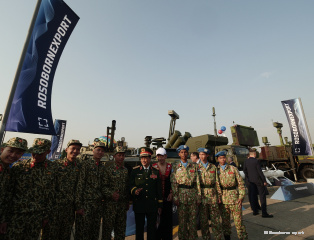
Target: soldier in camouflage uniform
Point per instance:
(89, 200)
(146, 191)
(11, 151)
(186, 194)
(67, 177)
(33, 193)
(211, 196)
(116, 193)
(232, 198)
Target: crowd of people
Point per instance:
(45, 198)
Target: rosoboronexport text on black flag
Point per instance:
(57, 140)
(30, 111)
(301, 141)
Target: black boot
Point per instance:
(227, 237)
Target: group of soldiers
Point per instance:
(45, 198)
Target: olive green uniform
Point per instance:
(90, 199)
(186, 190)
(232, 186)
(211, 192)
(114, 219)
(33, 189)
(148, 201)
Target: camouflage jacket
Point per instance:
(5, 191)
(90, 181)
(116, 179)
(185, 184)
(33, 187)
(67, 179)
(231, 183)
(209, 182)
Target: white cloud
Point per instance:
(266, 74)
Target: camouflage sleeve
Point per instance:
(5, 203)
(107, 191)
(174, 185)
(198, 187)
(219, 192)
(50, 191)
(241, 187)
(79, 191)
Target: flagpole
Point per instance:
(17, 74)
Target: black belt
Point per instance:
(186, 186)
(207, 186)
(228, 188)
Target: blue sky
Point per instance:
(132, 61)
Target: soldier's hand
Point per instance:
(170, 197)
(45, 222)
(115, 196)
(265, 183)
(219, 200)
(80, 212)
(240, 203)
(137, 191)
(159, 211)
(3, 228)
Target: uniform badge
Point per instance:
(153, 176)
(212, 171)
(143, 150)
(192, 171)
(230, 172)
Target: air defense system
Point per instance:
(131, 159)
(295, 167)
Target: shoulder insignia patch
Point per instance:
(136, 167)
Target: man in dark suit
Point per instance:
(256, 183)
(146, 191)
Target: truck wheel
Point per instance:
(307, 172)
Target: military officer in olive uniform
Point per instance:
(67, 201)
(233, 192)
(186, 194)
(89, 199)
(116, 193)
(146, 191)
(11, 151)
(33, 189)
(211, 196)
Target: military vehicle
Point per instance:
(244, 138)
(282, 158)
(131, 155)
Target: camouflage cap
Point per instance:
(119, 149)
(99, 144)
(74, 142)
(40, 145)
(16, 142)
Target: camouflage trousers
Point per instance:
(236, 212)
(211, 210)
(61, 224)
(24, 226)
(114, 219)
(187, 221)
(88, 225)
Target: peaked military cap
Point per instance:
(16, 142)
(204, 150)
(40, 145)
(145, 152)
(221, 153)
(119, 149)
(182, 147)
(99, 144)
(74, 142)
